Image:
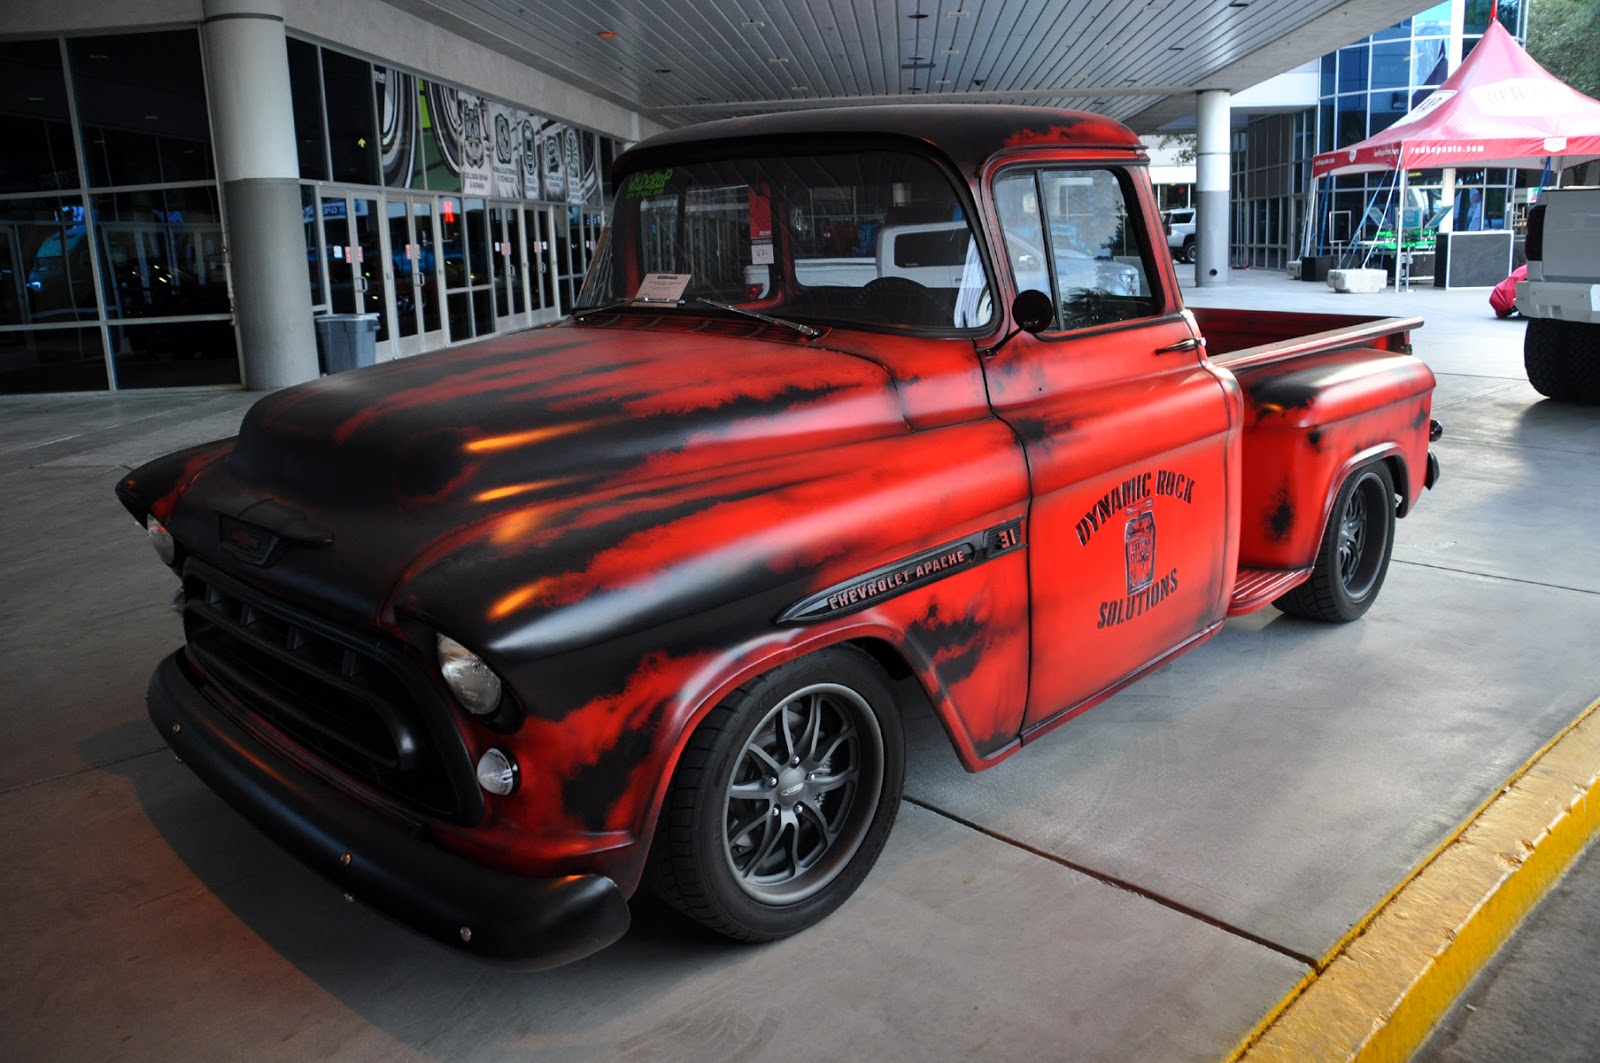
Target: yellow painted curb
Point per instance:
(1381, 990)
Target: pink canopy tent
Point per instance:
(1499, 109)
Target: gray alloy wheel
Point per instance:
(1354, 556)
(803, 793)
(783, 798)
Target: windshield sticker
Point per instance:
(648, 184)
(662, 288)
(760, 216)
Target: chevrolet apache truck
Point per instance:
(494, 636)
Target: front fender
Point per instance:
(619, 622)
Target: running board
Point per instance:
(1256, 587)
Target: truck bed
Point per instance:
(1318, 389)
(1243, 338)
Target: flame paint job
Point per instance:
(615, 513)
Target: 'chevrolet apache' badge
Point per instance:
(869, 588)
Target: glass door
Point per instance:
(468, 267)
(510, 282)
(418, 324)
(359, 279)
(542, 271)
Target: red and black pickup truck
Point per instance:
(858, 409)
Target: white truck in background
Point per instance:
(1561, 296)
(1179, 225)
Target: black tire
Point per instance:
(783, 798)
(1191, 251)
(1583, 360)
(1354, 556)
(1547, 348)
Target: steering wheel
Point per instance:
(902, 300)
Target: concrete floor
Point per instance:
(1142, 884)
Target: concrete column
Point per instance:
(1211, 187)
(252, 121)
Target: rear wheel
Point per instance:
(783, 798)
(1191, 251)
(1354, 556)
(1546, 350)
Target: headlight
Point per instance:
(161, 539)
(469, 679)
(497, 772)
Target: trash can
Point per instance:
(346, 341)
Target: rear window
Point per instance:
(947, 247)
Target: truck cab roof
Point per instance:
(967, 135)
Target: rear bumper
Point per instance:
(1562, 300)
(531, 922)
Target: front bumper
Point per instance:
(531, 922)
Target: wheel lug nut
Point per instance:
(795, 761)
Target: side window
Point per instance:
(1067, 235)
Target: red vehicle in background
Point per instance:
(1503, 296)
(858, 406)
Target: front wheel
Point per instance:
(783, 798)
(1354, 556)
(1191, 251)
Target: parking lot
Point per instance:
(1144, 883)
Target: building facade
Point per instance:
(1366, 87)
(444, 208)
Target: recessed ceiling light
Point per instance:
(35, 99)
(956, 14)
(918, 15)
(952, 51)
(607, 34)
(663, 70)
(1176, 48)
(778, 60)
(799, 88)
(151, 117)
(753, 24)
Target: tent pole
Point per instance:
(1447, 198)
(1402, 271)
(1311, 222)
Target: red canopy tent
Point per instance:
(1500, 109)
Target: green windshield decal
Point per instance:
(647, 184)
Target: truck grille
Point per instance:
(349, 698)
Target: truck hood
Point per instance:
(364, 474)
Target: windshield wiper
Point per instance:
(805, 330)
(578, 312)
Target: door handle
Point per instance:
(1189, 344)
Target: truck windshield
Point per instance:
(876, 239)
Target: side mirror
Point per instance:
(1033, 311)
